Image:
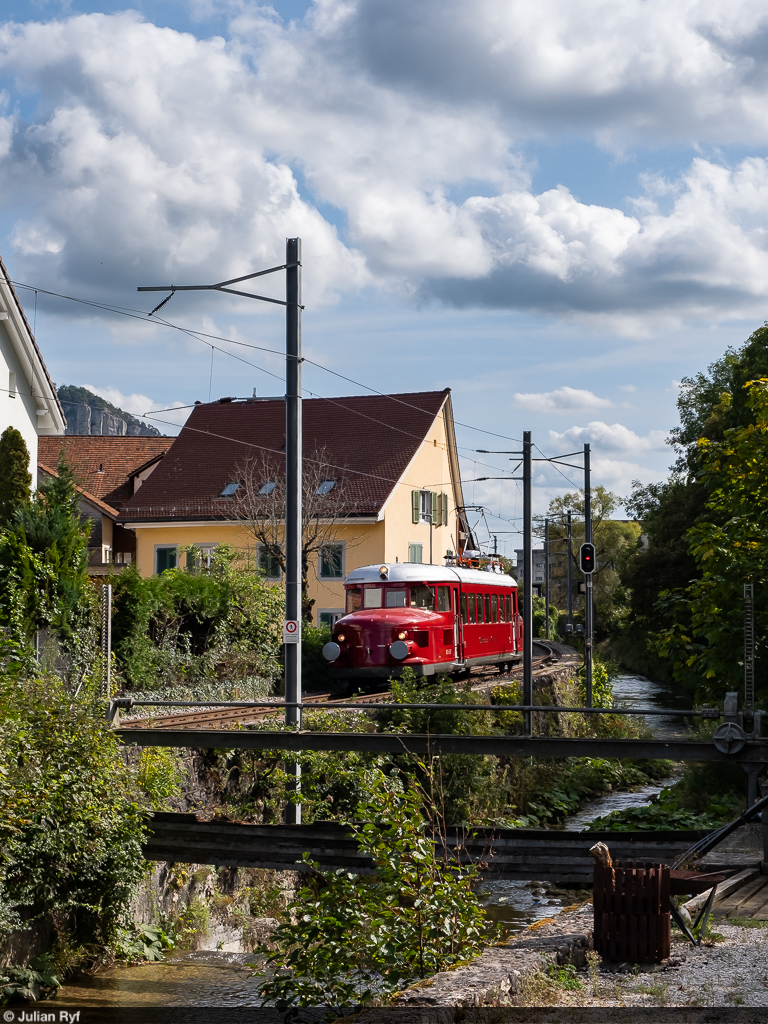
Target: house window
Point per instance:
(329, 616)
(230, 489)
(106, 554)
(416, 553)
(12, 384)
(332, 562)
(268, 563)
(426, 505)
(200, 556)
(165, 558)
(325, 487)
(267, 487)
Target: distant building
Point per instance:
(109, 471)
(390, 468)
(28, 399)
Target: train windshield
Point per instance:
(372, 597)
(396, 598)
(423, 597)
(354, 600)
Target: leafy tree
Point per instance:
(710, 404)
(43, 558)
(704, 641)
(15, 478)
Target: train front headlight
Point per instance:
(331, 651)
(402, 635)
(341, 638)
(399, 650)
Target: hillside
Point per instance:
(89, 414)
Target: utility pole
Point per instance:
(293, 482)
(293, 470)
(546, 579)
(569, 554)
(527, 585)
(588, 597)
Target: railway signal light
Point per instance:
(587, 558)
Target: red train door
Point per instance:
(458, 639)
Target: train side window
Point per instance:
(509, 607)
(372, 597)
(494, 608)
(354, 600)
(443, 599)
(464, 618)
(488, 608)
(396, 598)
(501, 608)
(479, 607)
(423, 597)
(471, 600)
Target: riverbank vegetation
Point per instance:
(348, 940)
(70, 825)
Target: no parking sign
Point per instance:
(291, 631)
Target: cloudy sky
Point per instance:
(556, 209)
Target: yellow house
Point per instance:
(381, 484)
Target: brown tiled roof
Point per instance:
(20, 308)
(104, 466)
(102, 506)
(367, 442)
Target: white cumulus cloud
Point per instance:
(562, 400)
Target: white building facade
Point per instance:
(28, 399)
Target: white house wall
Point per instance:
(19, 412)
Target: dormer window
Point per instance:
(230, 489)
(267, 488)
(325, 487)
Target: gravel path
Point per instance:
(732, 972)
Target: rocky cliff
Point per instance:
(89, 414)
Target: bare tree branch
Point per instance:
(260, 506)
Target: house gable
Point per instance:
(28, 399)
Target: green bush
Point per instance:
(347, 939)
(189, 625)
(70, 828)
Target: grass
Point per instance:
(747, 922)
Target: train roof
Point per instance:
(417, 572)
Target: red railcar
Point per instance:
(429, 618)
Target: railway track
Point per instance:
(221, 717)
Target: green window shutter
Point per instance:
(435, 516)
(416, 505)
(445, 508)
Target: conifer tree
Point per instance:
(15, 478)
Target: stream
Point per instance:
(221, 979)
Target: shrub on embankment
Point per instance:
(70, 828)
(195, 626)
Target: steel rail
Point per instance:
(424, 743)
